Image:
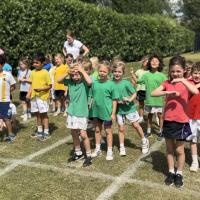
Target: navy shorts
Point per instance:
(59, 94)
(22, 95)
(176, 130)
(5, 110)
(141, 95)
(104, 122)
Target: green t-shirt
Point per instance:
(139, 73)
(78, 92)
(152, 81)
(125, 89)
(103, 94)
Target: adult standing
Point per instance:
(74, 46)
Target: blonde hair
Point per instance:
(118, 64)
(86, 64)
(94, 61)
(106, 64)
(25, 61)
(60, 56)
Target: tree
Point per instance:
(136, 6)
(191, 14)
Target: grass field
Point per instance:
(31, 169)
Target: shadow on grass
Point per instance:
(158, 161)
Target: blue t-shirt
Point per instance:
(47, 66)
(7, 67)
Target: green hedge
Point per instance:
(31, 25)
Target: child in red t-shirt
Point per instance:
(194, 115)
(176, 121)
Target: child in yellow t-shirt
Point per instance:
(39, 94)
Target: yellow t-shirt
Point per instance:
(60, 71)
(40, 79)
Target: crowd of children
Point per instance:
(90, 91)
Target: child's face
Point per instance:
(176, 71)
(69, 60)
(188, 68)
(75, 76)
(196, 76)
(37, 64)
(58, 60)
(118, 73)
(103, 72)
(144, 63)
(22, 65)
(154, 63)
(70, 39)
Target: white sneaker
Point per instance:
(22, 116)
(122, 152)
(25, 118)
(97, 152)
(29, 115)
(109, 155)
(145, 147)
(194, 167)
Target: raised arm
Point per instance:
(86, 50)
(189, 85)
(85, 75)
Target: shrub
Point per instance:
(31, 25)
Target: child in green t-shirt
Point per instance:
(103, 108)
(126, 108)
(78, 110)
(140, 87)
(153, 79)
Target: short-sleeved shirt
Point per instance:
(125, 89)
(73, 48)
(139, 73)
(194, 106)
(7, 67)
(6, 80)
(40, 79)
(103, 94)
(152, 81)
(47, 66)
(176, 108)
(24, 86)
(78, 105)
(60, 71)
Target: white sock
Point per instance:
(179, 172)
(148, 130)
(98, 146)
(195, 159)
(172, 171)
(46, 131)
(110, 149)
(122, 146)
(39, 129)
(144, 140)
(78, 152)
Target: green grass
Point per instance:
(61, 181)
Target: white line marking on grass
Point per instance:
(31, 156)
(130, 171)
(68, 171)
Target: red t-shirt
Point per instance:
(176, 108)
(194, 106)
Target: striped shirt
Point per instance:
(6, 80)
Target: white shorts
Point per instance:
(153, 109)
(39, 105)
(195, 128)
(13, 108)
(132, 117)
(74, 122)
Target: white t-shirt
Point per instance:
(24, 86)
(73, 48)
(13, 108)
(6, 80)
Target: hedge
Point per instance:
(31, 25)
